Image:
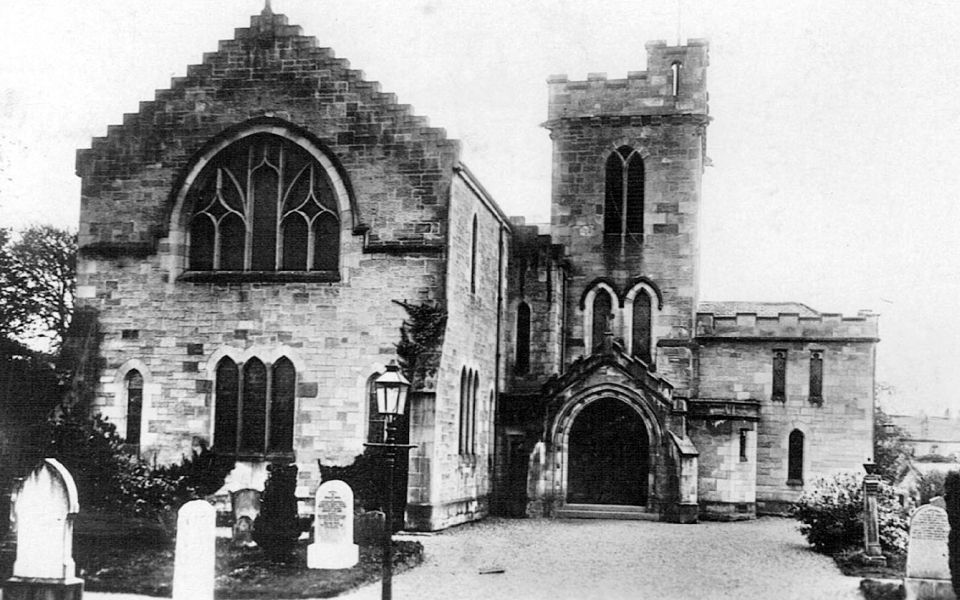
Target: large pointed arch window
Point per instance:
(254, 407)
(263, 204)
(623, 201)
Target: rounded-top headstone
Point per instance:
(45, 509)
(333, 546)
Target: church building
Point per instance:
(254, 239)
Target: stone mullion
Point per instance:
(278, 222)
(267, 402)
(248, 210)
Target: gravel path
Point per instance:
(586, 559)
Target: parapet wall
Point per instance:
(649, 92)
(788, 325)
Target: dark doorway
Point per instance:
(608, 456)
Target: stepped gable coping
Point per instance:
(615, 356)
(266, 26)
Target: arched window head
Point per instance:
(133, 384)
(522, 364)
(464, 409)
(795, 458)
(642, 311)
(282, 398)
(376, 425)
(263, 204)
(623, 203)
(676, 68)
(602, 315)
(226, 407)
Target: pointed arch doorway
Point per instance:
(609, 455)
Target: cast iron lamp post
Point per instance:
(391, 389)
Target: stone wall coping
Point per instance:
(788, 326)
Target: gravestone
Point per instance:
(333, 546)
(368, 528)
(246, 508)
(46, 507)
(928, 572)
(194, 562)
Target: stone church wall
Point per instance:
(462, 478)
(398, 171)
(837, 431)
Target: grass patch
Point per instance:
(138, 561)
(853, 563)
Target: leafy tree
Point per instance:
(44, 268)
(15, 310)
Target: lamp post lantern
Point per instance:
(391, 389)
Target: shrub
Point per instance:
(952, 498)
(831, 515)
(930, 485)
(110, 479)
(277, 527)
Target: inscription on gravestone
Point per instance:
(928, 570)
(333, 546)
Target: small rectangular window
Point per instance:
(743, 445)
(779, 375)
(816, 377)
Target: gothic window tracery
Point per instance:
(623, 202)
(263, 204)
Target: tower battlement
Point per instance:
(788, 325)
(660, 90)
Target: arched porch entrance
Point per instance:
(608, 455)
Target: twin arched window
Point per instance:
(603, 315)
(254, 408)
(623, 201)
(263, 204)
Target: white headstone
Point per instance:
(333, 546)
(46, 507)
(928, 571)
(194, 563)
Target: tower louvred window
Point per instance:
(263, 204)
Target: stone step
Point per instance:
(606, 511)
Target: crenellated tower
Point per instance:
(628, 156)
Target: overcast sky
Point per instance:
(834, 140)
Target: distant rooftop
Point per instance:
(762, 309)
(926, 428)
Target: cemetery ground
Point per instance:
(137, 557)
